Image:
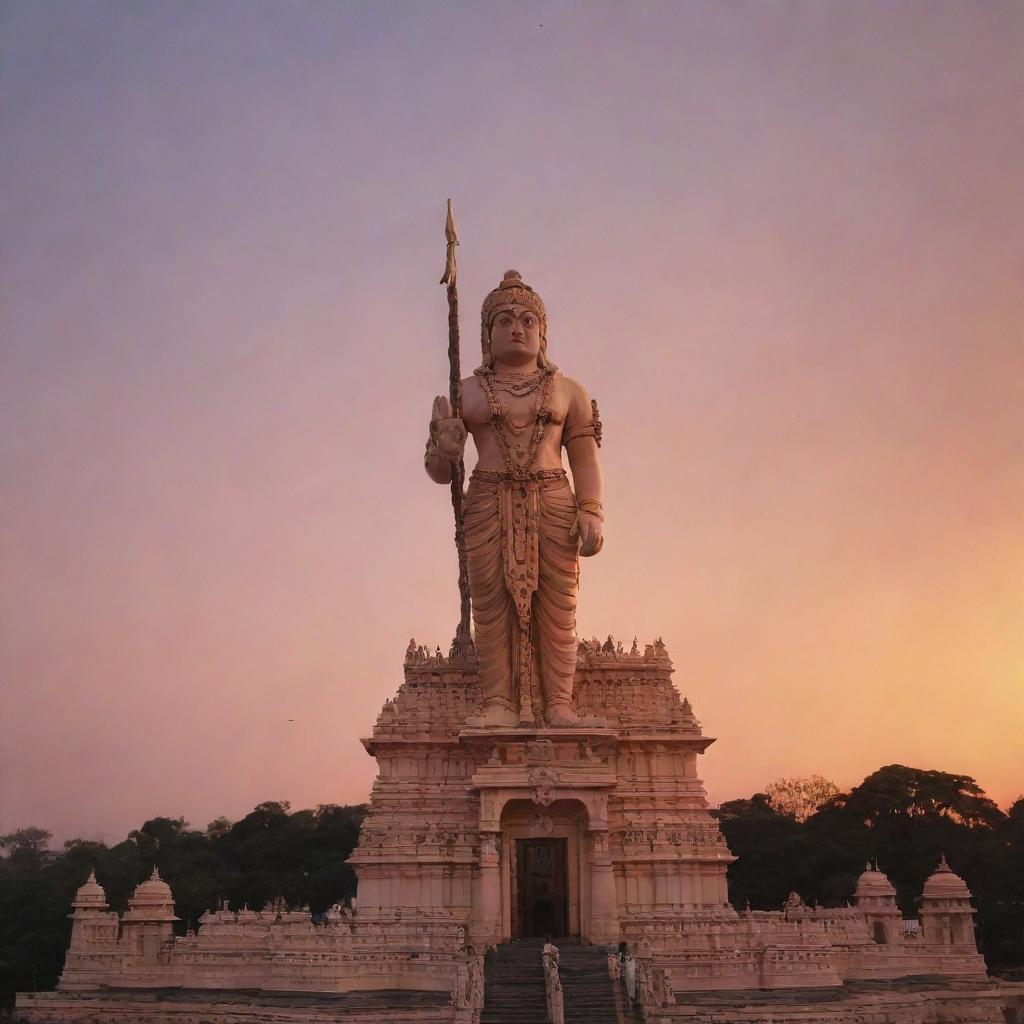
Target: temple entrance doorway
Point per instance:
(545, 869)
(542, 887)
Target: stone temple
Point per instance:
(481, 838)
(529, 785)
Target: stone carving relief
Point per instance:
(541, 825)
(544, 781)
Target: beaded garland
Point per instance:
(519, 386)
(502, 424)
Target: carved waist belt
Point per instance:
(493, 476)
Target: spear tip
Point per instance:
(452, 240)
(449, 226)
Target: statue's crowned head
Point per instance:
(512, 294)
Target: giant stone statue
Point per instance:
(524, 527)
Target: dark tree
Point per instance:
(905, 818)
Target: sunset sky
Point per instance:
(782, 243)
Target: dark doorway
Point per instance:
(542, 892)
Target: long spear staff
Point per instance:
(462, 645)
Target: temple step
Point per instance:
(514, 984)
(587, 993)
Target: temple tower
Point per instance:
(876, 899)
(90, 917)
(94, 929)
(947, 917)
(149, 920)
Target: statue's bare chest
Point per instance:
(521, 409)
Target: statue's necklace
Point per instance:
(502, 425)
(516, 385)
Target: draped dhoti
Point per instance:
(523, 581)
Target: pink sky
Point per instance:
(781, 243)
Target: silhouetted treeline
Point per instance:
(272, 852)
(904, 818)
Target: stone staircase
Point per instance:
(514, 984)
(587, 993)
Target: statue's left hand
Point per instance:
(590, 530)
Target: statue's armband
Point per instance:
(591, 429)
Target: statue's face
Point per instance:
(515, 336)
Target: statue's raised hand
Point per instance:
(447, 432)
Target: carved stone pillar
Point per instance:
(487, 897)
(604, 923)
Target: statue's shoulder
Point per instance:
(575, 393)
(474, 401)
(570, 384)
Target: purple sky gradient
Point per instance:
(781, 243)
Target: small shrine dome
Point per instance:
(154, 892)
(90, 894)
(874, 884)
(944, 884)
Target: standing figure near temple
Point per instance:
(524, 527)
